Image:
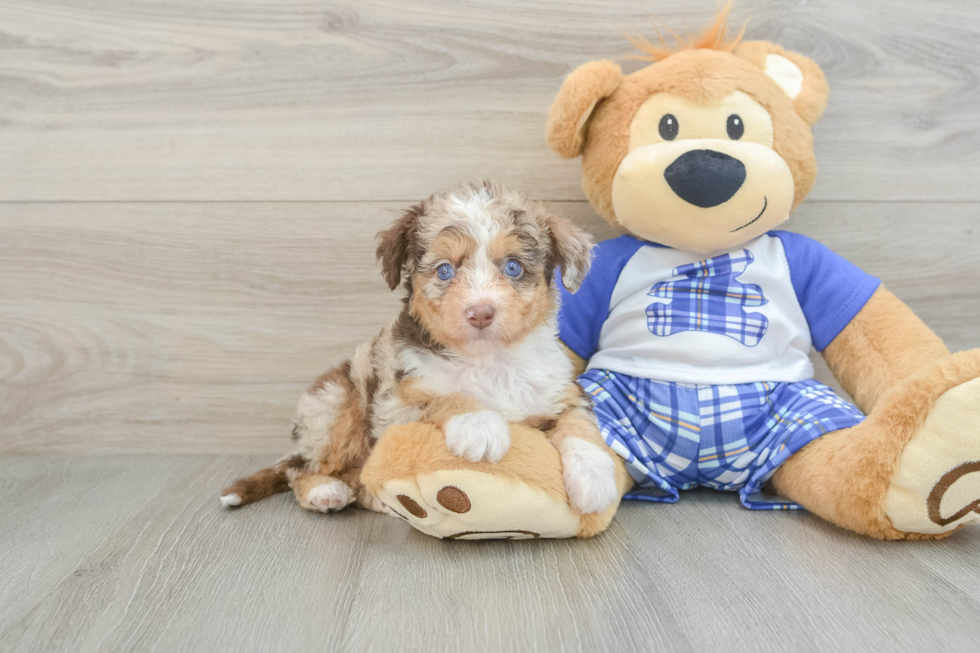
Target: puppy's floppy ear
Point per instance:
(799, 77)
(571, 250)
(579, 94)
(398, 245)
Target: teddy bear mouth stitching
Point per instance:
(765, 203)
(531, 534)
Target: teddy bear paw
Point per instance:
(470, 505)
(936, 487)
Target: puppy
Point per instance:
(474, 349)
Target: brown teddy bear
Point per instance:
(693, 329)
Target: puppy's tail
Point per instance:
(263, 483)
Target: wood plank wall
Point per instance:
(189, 190)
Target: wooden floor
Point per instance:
(134, 553)
(188, 195)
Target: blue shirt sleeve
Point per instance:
(581, 315)
(831, 290)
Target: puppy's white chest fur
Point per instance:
(529, 379)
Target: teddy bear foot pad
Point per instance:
(936, 488)
(472, 505)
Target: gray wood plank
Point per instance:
(359, 100)
(111, 303)
(777, 581)
(183, 574)
(194, 327)
(57, 511)
(566, 595)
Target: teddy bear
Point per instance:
(693, 329)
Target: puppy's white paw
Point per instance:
(478, 436)
(331, 496)
(231, 500)
(590, 476)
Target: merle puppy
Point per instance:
(474, 349)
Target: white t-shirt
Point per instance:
(747, 315)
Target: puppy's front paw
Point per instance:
(590, 476)
(478, 436)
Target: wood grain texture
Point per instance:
(58, 511)
(179, 573)
(251, 100)
(194, 327)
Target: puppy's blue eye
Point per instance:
(445, 272)
(513, 269)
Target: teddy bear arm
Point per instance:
(884, 344)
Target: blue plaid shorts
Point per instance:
(676, 436)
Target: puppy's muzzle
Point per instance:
(480, 315)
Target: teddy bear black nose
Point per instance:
(705, 178)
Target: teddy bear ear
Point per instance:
(580, 93)
(799, 77)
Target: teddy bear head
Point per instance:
(704, 149)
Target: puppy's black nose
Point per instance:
(705, 178)
(480, 315)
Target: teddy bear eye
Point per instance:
(735, 127)
(668, 127)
